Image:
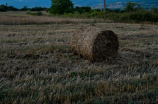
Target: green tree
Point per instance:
(24, 8)
(131, 6)
(3, 8)
(61, 6)
(38, 8)
(11, 8)
(155, 10)
(82, 9)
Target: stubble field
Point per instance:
(37, 65)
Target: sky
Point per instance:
(47, 3)
(28, 3)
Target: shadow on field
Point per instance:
(129, 55)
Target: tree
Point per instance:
(131, 6)
(61, 6)
(24, 8)
(153, 9)
(3, 8)
(11, 8)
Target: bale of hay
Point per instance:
(94, 43)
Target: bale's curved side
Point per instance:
(94, 43)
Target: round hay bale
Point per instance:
(94, 43)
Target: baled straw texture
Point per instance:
(95, 43)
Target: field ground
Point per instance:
(37, 65)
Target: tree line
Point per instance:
(132, 12)
(66, 6)
(4, 8)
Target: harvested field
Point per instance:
(37, 66)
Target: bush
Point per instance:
(135, 16)
(155, 10)
(38, 9)
(143, 15)
(35, 13)
(82, 10)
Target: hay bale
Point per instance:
(95, 43)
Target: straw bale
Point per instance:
(94, 44)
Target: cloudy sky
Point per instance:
(47, 3)
(28, 3)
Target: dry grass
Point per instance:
(37, 66)
(94, 43)
(21, 18)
